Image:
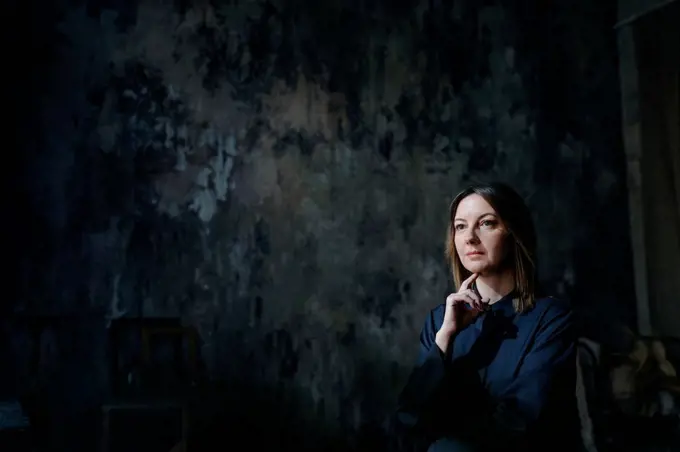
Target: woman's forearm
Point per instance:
(443, 340)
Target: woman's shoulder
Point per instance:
(549, 307)
(436, 314)
(434, 318)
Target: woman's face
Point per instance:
(480, 236)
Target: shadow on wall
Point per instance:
(287, 414)
(269, 418)
(65, 390)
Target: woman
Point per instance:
(497, 364)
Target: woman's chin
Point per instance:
(478, 267)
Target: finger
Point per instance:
(473, 299)
(451, 299)
(467, 297)
(468, 281)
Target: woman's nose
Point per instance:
(471, 236)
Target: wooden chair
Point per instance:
(151, 399)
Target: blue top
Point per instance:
(508, 382)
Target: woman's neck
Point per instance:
(495, 286)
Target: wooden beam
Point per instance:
(632, 141)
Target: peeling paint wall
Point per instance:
(279, 177)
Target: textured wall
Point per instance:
(279, 176)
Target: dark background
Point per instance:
(276, 175)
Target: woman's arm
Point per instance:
(425, 407)
(448, 398)
(425, 384)
(539, 398)
(423, 402)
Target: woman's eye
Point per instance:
(488, 223)
(459, 227)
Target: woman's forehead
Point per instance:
(473, 206)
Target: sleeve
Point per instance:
(423, 410)
(426, 381)
(545, 382)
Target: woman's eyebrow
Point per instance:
(481, 216)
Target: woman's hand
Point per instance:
(457, 316)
